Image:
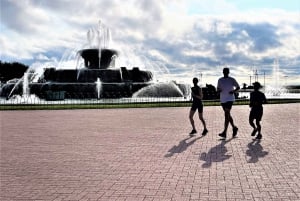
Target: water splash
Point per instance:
(99, 37)
(17, 84)
(24, 82)
(30, 99)
(98, 87)
(159, 90)
(276, 88)
(26, 90)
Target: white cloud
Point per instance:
(181, 37)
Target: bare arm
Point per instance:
(219, 90)
(235, 90)
(198, 96)
(264, 99)
(236, 87)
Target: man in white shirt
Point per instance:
(227, 87)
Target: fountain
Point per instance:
(98, 79)
(276, 88)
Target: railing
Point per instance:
(33, 102)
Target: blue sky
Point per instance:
(176, 39)
(289, 5)
(243, 5)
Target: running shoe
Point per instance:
(259, 136)
(223, 135)
(254, 132)
(205, 131)
(193, 132)
(234, 131)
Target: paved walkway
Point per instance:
(146, 154)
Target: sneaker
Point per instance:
(205, 131)
(234, 131)
(259, 136)
(223, 135)
(254, 132)
(193, 132)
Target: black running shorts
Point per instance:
(227, 105)
(197, 105)
(256, 114)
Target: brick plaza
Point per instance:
(146, 154)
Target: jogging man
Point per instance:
(227, 87)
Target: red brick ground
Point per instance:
(146, 154)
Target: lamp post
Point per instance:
(256, 76)
(200, 78)
(264, 81)
(285, 78)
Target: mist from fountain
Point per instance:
(276, 88)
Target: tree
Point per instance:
(10, 71)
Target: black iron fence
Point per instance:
(59, 101)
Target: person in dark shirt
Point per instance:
(197, 96)
(257, 99)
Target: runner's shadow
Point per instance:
(182, 146)
(215, 154)
(255, 151)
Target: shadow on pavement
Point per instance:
(255, 151)
(215, 154)
(182, 146)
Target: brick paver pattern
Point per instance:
(147, 155)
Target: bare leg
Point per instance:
(227, 119)
(191, 119)
(251, 123)
(202, 120)
(251, 119)
(231, 120)
(258, 126)
(259, 136)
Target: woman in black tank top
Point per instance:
(197, 96)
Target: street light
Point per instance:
(285, 79)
